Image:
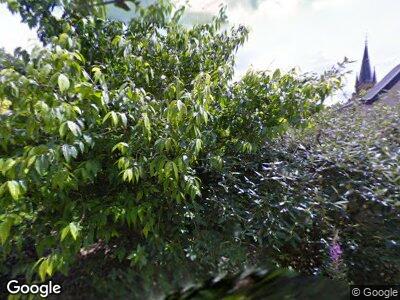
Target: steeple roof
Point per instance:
(366, 75)
(366, 79)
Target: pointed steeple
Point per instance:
(374, 77)
(366, 79)
(365, 73)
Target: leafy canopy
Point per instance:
(109, 134)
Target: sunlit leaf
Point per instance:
(63, 82)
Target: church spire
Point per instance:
(374, 77)
(366, 79)
(365, 73)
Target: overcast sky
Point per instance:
(310, 34)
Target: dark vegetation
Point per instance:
(130, 163)
(254, 285)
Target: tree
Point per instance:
(114, 133)
(42, 14)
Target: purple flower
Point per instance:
(335, 252)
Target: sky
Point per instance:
(311, 35)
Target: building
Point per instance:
(366, 79)
(369, 91)
(388, 89)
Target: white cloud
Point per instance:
(315, 34)
(207, 6)
(326, 4)
(279, 9)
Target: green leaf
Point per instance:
(146, 230)
(124, 119)
(121, 146)
(198, 145)
(114, 118)
(13, 5)
(97, 73)
(63, 129)
(3, 188)
(68, 152)
(78, 56)
(6, 165)
(63, 82)
(14, 189)
(41, 164)
(276, 74)
(43, 269)
(128, 175)
(5, 228)
(179, 105)
(76, 131)
(64, 232)
(50, 266)
(117, 40)
(146, 121)
(176, 172)
(63, 38)
(74, 230)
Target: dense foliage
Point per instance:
(322, 200)
(110, 139)
(353, 160)
(262, 284)
(336, 182)
(130, 161)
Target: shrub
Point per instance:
(336, 182)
